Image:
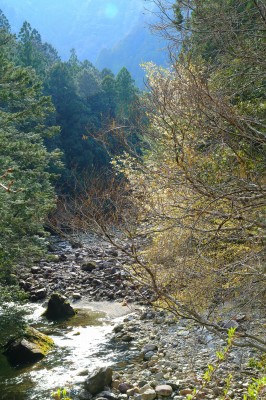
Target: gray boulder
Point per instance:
(164, 390)
(84, 395)
(98, 380)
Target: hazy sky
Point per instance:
(86, 25)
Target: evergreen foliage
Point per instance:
(87, 102)
(32, 52)
(26, 192)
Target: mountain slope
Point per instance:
(136, 48)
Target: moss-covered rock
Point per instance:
(29, 348)
(58, 308)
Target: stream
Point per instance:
(82, 343)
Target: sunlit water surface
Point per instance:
(81, 344)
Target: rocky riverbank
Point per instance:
(167, 359)
(160, 356)
(94, 271)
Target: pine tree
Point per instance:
(26, 192)
(126, 94)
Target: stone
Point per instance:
(132, 391)
(62, 257)
(149, 347)
(89, 266)
(148, 355)
(107, 395)
(241, 318)
(76, 296)
(115, 383)
(127, 338)
(122, 396)
(142, 383)
(76, 245)
(22, 284)
(159, 375)
(175, 385)
(144, 388)
(29, 348)
(230, 324)
(113, 252)
(118, 328)
(54, 258)
(116, 375)
(35, 270)
(183, 333)
(149, 394)
(82, 372)
(58, 308)
(40, 293)
(84, 395)
(186, 391)
(124, 387)
(98, 380)
(164, 390)
(147, 315)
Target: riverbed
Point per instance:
(95, 278)
(81, 345)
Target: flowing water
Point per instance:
(81, 344)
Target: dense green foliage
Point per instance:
(39, 92)
(26, 193)
(88, 106)
(88, 103)
(26, 190)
